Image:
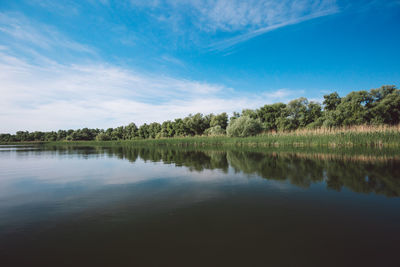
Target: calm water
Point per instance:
(126, 206)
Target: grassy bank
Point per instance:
(383, 136)
(366, 136)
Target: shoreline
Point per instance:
(375, 139)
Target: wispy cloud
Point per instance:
(236, 15)
(27, 33)
(235, 21)
(229, 42)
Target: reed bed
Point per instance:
(363, 136)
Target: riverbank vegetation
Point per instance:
(362, 117)
(370, 136)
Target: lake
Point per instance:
(135, 206)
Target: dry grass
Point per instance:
(339, 130)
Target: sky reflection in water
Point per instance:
(143, 202)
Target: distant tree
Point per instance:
(154, 129)
(331, 101)
(352, 109)
(118, 133)
(61, 135)
(167, 129)
(269, 115)
(180, 128)
(103, 137)
(143, 131)
(131, 131)
(384, 107)
(50, 136)
(221, 120)
(196, 124)
(250, 113)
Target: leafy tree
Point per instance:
(384, 106)
(103, 137)
(352, 109)
(154, 128)
(118, 133)
(196, 124)
(143, 131)
(331, 101)
(221, 120)
(250, 113)
(269, 115)
(180, 128)
(131, 131)
(167, 129)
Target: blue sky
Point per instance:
(74, 64)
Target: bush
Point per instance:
(244, 126)
(103, 137)
(214, 131)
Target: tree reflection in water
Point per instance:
(362, 172)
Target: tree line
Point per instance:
(376, 106)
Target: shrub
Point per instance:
(244, 126)
(214, 131)
(103, 137)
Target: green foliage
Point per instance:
(221, 120)
(215, 131)
(167, 129)
(298, 114)
(331, 101)
(384, 107)
(249, 113)
(103, 137)
(196, 124)
(154, 129)
(130, 131)
(143, 131)
(244, 126)
(269, 115)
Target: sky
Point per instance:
(105, 63)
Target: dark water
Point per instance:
(126, 206)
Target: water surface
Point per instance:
(127, 206)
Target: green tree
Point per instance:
(131, 131)
(196, 124)
(221, 120)
(154, 129)
(103, 137)
(269, 115)
(331, 101)
(143, 131)
(384, 107)
(352, 109)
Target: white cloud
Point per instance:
(100, 95)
